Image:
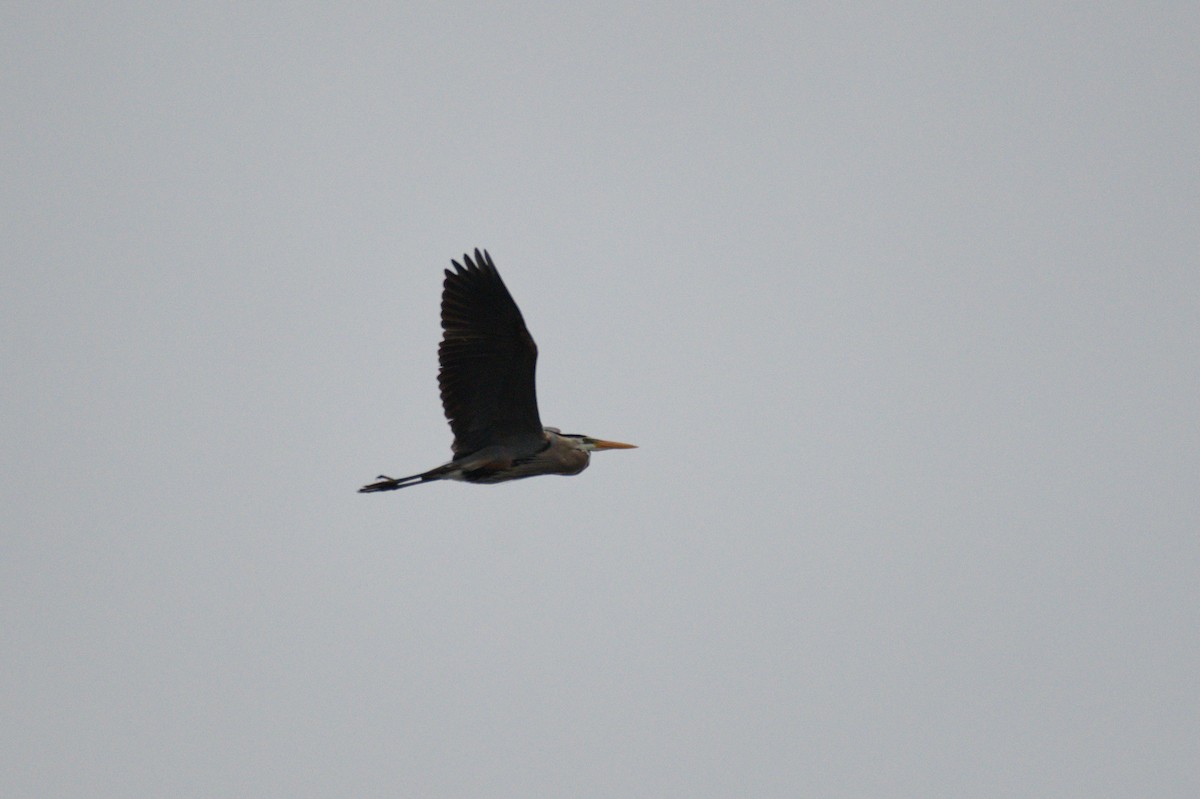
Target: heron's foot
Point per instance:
(385, 484)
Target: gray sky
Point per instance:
(901, 306)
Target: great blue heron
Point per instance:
(487, 362)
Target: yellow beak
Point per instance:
(601, 444)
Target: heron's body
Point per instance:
(488, 361)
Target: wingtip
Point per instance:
(481, 262)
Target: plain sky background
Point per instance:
(900, 302)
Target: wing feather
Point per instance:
(488, 361)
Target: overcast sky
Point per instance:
(901, 307)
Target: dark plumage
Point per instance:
(488, 360)
(487, 379)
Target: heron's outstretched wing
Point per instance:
(487, 361)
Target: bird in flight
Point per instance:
(488, 360)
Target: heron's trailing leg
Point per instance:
(391, 483)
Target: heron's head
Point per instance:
(589, 444)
